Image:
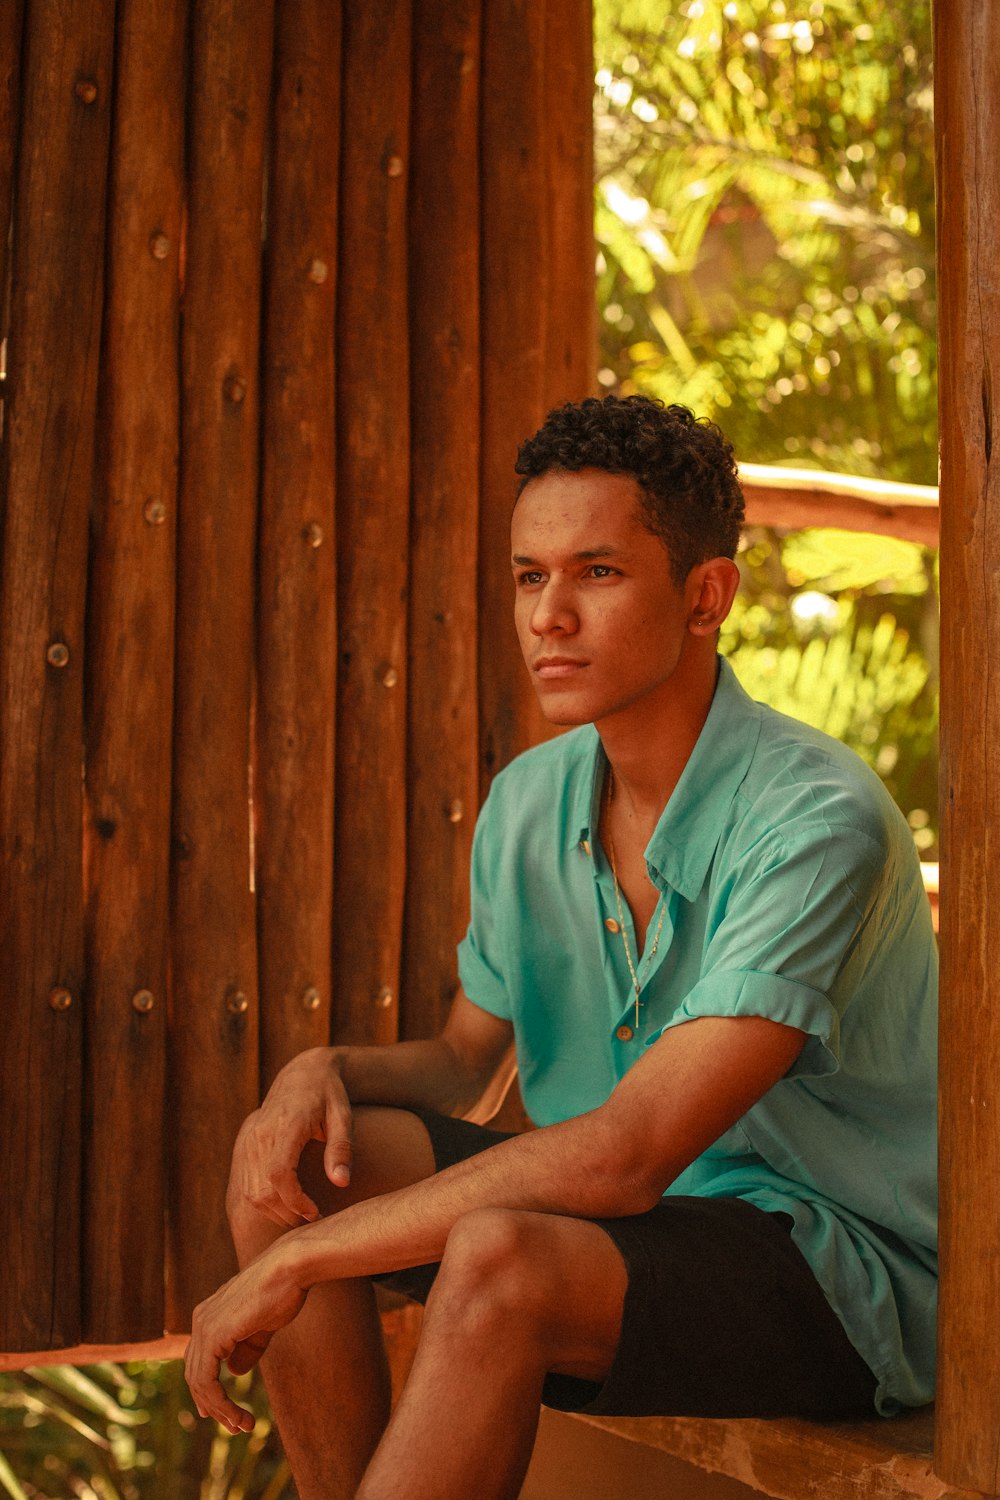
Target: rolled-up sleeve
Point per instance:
(789, 924)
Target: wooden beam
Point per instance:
(444, 385)
(129, 708)
(515, 295)
(373, 507)
(297, 602)
(571, 331)
(214, 1061)
(11, 19)
(48, 451)
(967, 125)
(793, 499)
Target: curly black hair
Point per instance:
(684, 466)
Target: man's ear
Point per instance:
(711, 588)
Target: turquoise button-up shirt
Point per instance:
(789, 888)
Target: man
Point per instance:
(704, 927)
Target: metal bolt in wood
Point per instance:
(311, 998)
(389, 677)
(318, 271)
(60, 998)
(159, 245)
(456, 810)
(155, 512)
(143, 1001)
(85, 90)
(313, 534)
(234, 389)
(394, 166)
(58, 654)
(384, 998)
(237, 1003)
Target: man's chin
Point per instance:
(565, 715)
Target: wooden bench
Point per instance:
(792, 1460)
(785, 1460)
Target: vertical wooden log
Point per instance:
(214, 1062)
(297, 625)
(444, 385)
(967, 122)
(11, 18)
(372, 521)
(47, 477)
(515, 292)
(571, 344)
(130, 686)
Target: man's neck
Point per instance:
(649, 744)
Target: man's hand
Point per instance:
(235, 1325)
(306, 1102)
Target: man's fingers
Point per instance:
(337, 1161)
(282, 1199)
(202, 1373)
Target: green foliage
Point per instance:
(130, 1432)
(765, 216)
(840, 631)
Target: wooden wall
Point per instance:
(286, 288)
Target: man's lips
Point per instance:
(550, 667)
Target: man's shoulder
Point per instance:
(550, 765)
(802, 783)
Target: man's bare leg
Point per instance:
(518, 1294)
(326, 1373)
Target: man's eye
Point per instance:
(601, 570)
(530, 576)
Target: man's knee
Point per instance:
(493, 1275)
(548, 1290)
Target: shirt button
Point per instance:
(624, 1033)
(611, 924)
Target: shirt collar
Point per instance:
(687, 835)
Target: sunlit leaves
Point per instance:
(780, 274)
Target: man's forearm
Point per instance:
(566, 1169)
(416, 1075)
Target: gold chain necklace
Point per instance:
(621, 912)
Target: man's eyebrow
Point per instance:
(589, 554)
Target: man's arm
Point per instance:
(311, 1098)
(695, 1082)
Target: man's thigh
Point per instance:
(722, 1315)
(391, 1149)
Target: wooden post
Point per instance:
(129, 700)
(372, 521)
(444, 385)
(47, 475)
(214, 1062)
(967, 120)
(11, 19)
(296, 619)
(571, 337)
(516, 289)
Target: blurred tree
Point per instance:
(765, 219)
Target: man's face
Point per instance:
(602, 624)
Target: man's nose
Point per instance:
(553, 609)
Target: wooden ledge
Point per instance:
(798, 498)
(793, 1460)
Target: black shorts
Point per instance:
(723, 1316)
